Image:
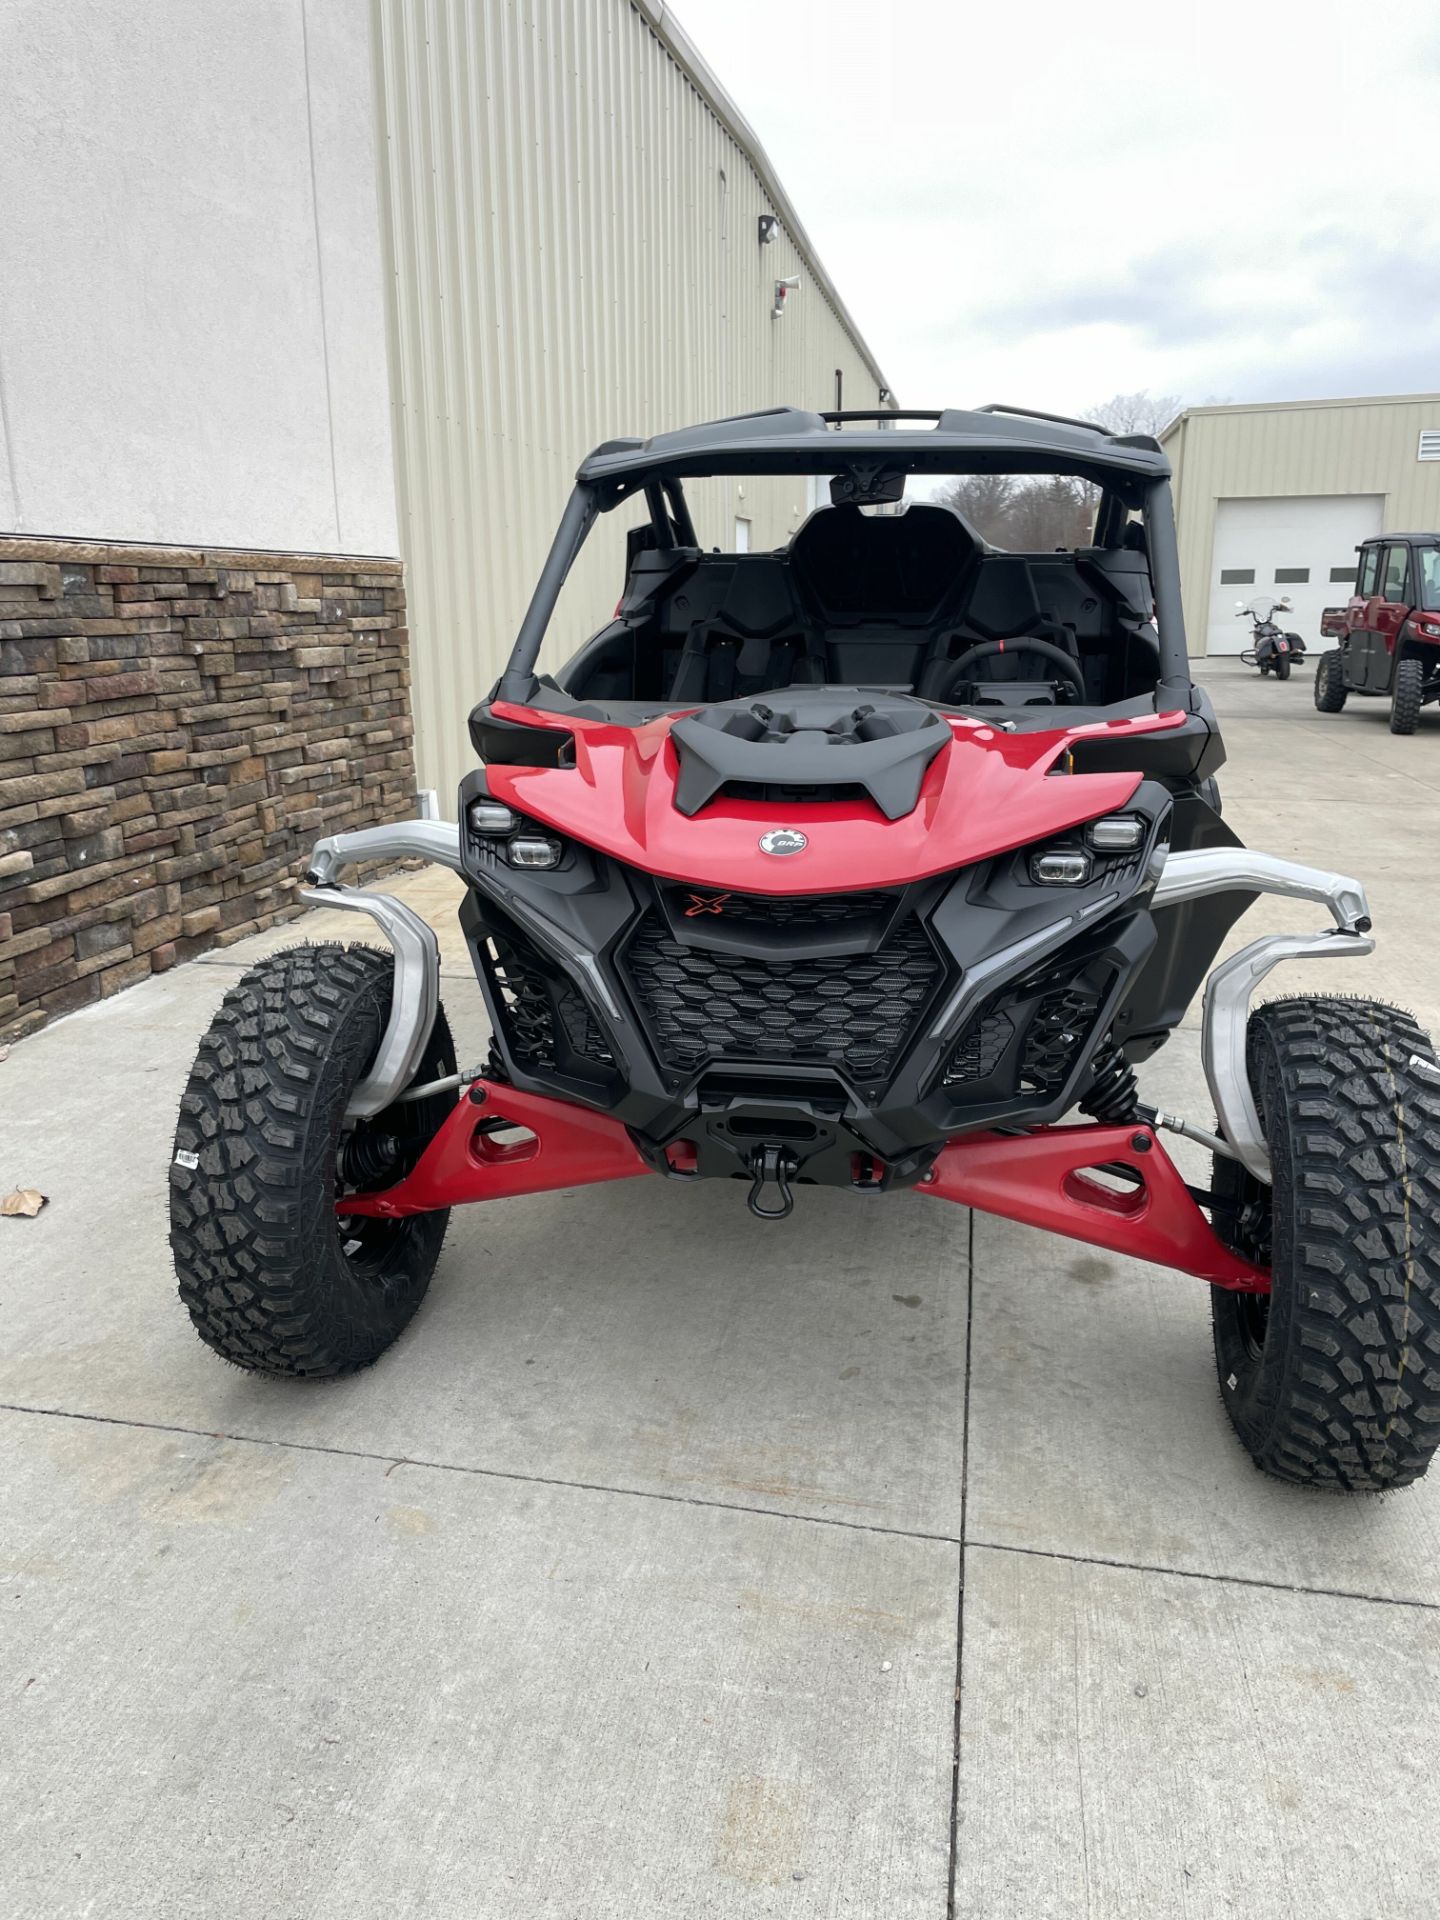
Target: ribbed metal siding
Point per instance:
(1363, 446)
(571, 233)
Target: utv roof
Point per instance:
(793, 440)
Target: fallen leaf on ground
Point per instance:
(25, 1202)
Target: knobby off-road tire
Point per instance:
(1330, 682)
(1406, 700)
(272, 1278)
(1334, 1381)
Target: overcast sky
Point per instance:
(1220, 201)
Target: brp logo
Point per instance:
(782, 840)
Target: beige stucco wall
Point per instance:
(192, 321)
(571, 219)
(1300, 447)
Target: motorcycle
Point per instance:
(1272, 649)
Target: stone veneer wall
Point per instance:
(176, 728)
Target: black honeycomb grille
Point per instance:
(852, 1012)
(978, 1052)
(536, 1004)
(1059, 1030)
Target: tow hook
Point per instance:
(767, 1164)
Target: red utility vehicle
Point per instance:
(879, 862)
(1389, 633)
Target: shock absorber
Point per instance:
(1113, 1095)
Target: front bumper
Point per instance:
(911, 1122)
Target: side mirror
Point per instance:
(1240, 607)
(1285, 603)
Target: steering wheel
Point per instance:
(988, 649)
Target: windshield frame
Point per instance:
(1152, 499)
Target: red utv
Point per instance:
(879, 862)
(1389, 633)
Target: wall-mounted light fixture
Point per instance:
(766, 225)
(783, 289)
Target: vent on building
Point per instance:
(1291, 576)
(1237, 576)
(1429, 448)
(1344, 576)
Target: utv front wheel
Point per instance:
(1330, 682)
(1333, 1379)
(273, 1278)
(1409, 691)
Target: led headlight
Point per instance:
(1067, 867)
(532, 850)
(1116, 833)
(492, 819)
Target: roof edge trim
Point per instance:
(660, 16)
(1299, 406)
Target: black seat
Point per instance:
(859, 568)
(749, 641)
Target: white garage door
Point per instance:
(1303, 547)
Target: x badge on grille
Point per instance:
(701, 903)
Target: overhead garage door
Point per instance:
(1296, 546)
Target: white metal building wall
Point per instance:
(572, 234)
(1293, 448)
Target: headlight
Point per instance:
(509, 836)
(1116, 833)
(532, 850)
(490, 818)
(1067, 868)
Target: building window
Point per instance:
(1237, 576)
(1343, 576)
(1429, 447)
(1291, 576)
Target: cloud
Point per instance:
(1018, 202)
(1162, 297)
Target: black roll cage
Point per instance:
(1132, 472)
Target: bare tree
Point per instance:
(1049, 512)
(984, 500)
(1024, 514)
(1142, 412)
(1036, 515)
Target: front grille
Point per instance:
(757, 912)
(852, 1012)
(533, 1000)
(1057, 1033)
(978, 1050)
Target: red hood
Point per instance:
(986, 792)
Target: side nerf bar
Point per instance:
(1225, 1020)
(416, 993)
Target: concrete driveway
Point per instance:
(883, 1563)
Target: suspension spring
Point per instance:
(1113, 1095)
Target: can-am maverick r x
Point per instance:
(865, 864)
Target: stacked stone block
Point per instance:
(176, 728)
